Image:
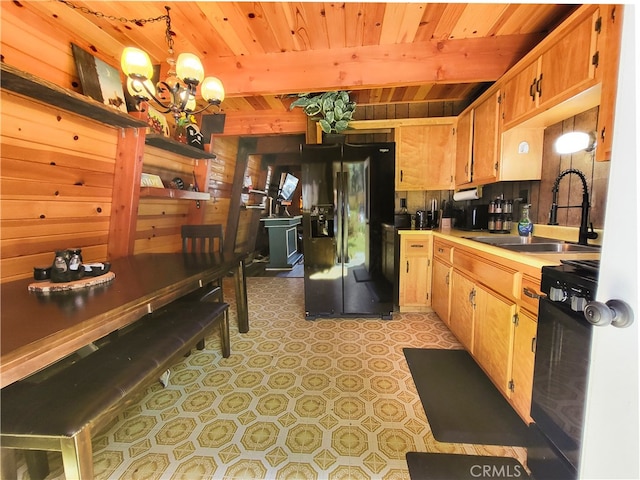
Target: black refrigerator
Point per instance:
(347, 195)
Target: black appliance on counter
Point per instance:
(473, 218)
(347, 196)
(563, 345)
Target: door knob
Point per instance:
(614, 312)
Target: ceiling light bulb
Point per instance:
(212, 90)
(136, 62)
(189, 68)
(573, 142)
(191, 104)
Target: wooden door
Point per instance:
(567, 67)
(493, 336)
(464, 138)
(440, 292)
(415, 271)
(486, 145)
(414, 275)
(439, 151)
(411, 159)
(461, 319)
(523, 361)
(609, 59)
(519, 95)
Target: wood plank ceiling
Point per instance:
(264, 51)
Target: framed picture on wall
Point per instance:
(98, 79)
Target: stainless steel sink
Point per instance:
(556, 247)
(500, 240)
(538, 245)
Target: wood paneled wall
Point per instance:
(59, 170)
(220, 185)
(57, 175)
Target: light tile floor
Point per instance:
(297, 400)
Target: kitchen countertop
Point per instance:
(535, 260)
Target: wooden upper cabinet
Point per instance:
(464, 139)
(441, 150)
(425, 157)
(410, 158)
(608, 62)
(561, 71)
(486, 140)
(519, 94)
(568, 67)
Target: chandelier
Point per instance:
(177, 93)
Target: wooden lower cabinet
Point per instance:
(492, 309)
(461, 319)
(440, 291)
(493, 336)
(415, 272)
(524, 354)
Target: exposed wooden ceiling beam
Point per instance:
(448, 61)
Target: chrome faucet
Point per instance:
(584, 233)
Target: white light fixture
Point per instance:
(177, 93)
(573, 142)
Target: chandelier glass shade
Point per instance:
(177, 93)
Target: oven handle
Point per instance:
(532, 293)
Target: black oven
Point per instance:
(563, 345)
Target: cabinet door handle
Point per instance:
(401, 172)
(534, 341)
(532, 90)
(472, 297)
(440, 250)
(407, 266)
(539, 86)
(446, 278)
(531, 293)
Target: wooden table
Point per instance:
(38, 329)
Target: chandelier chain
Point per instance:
(137, 21)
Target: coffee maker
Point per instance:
(425, 220)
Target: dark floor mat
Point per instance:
(449, 466)
(461, 403)
(361, 275)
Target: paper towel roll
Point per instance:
(466, 195)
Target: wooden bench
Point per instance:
(62, 411)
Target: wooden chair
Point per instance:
(203, 239)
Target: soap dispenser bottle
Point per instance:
(525, 226)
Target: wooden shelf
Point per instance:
(171, 145)
(251, 190)
(25, 84)
(172, 193)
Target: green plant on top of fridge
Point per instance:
(335, 109)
